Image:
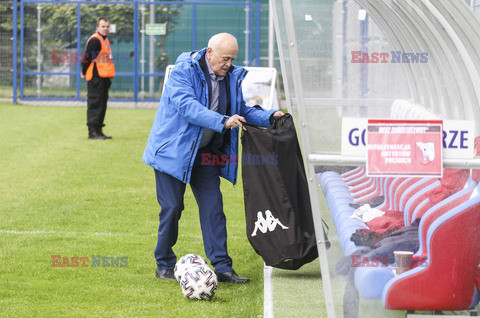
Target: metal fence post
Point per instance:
(79, 67)
(135, 52)
(142, 57)
(151, 62)
(39, 49)
(246, 61)
(14, 52)
(194, 27)
(22, 40)
(257, 33)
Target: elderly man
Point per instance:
(200, 112)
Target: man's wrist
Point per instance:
(225, 119)
(224, 122)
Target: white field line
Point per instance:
(267, 292)
(68, 233)
(42, 232)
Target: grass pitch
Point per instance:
(62, 194)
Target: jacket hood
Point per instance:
(191, 56)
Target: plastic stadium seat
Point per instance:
(447, 280)
(375, 191)
(433, 214)
(354, 174)
(338, 199)
(418, 201)
(411, 190)
(400, 189)
(389, 195)
(453, 180)
(367, 185)
(357, 181)
(371, 281)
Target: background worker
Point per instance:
(98, 69)
(200, 112)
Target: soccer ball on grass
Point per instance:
(198, 282)
(186, 261)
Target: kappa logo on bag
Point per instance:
(267, 223)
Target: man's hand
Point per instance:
(235, 121)
(278, 113)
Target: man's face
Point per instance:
(221, 58)
(103, 27)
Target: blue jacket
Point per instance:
(183, 113)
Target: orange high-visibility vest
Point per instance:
(104, 61)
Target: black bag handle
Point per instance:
(281, 121)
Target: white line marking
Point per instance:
(43, 232)
(267, 292)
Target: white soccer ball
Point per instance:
(199, 283)
(186, 261)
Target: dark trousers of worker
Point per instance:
(205, 185)
(97, 98)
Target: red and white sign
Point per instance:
(404, 148)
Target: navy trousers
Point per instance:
(205, 185)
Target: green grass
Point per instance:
(62, 194)
(298, 293)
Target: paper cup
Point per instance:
(403, 261)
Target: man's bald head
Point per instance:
(221, 51)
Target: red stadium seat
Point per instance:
(447, 279)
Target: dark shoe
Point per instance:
(105, 136)
(231, 277)
(95, 135)
(165, 273)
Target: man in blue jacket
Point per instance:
(194, 139)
